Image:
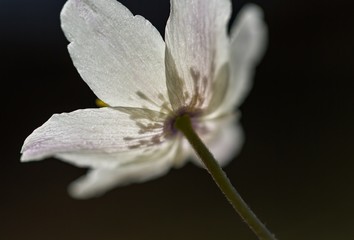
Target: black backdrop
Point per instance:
(295, 169)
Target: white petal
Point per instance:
(224, 141)
(104, 137)
(248, 43)
(99, 181)
(228, 144)
(196, 49)
(116, 53)
(183, 152)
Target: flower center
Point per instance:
(170, 129)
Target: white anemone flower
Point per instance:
(199, 70)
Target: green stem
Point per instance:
(184, 124)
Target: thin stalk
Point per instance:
(184, 125)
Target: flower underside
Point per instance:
(147, 84)
(161, 124)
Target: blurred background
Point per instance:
(295, 169)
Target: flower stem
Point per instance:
(184, 124)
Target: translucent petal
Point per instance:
(224, 140)
(196, 49)
(104, 137)
(248, 43)
(116, 53)
(99, 181)
(228, 144)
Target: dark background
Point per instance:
(295, 169)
